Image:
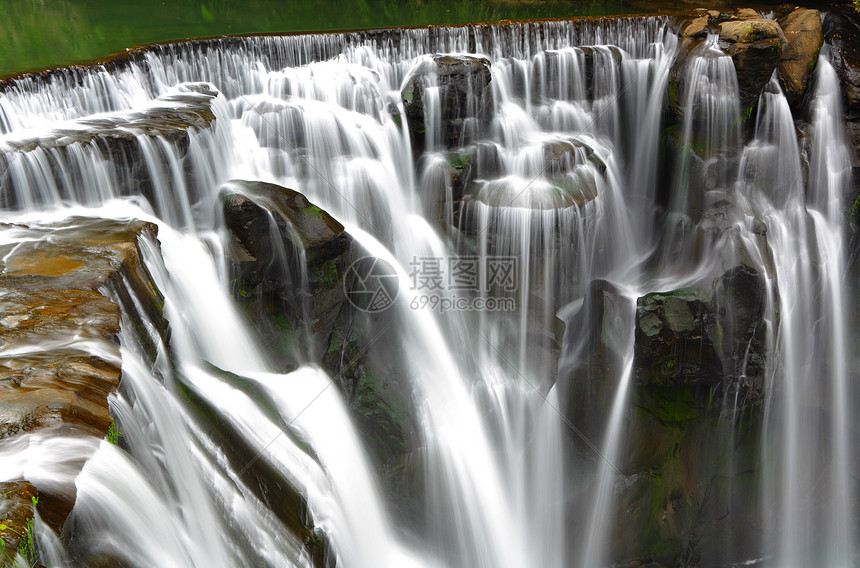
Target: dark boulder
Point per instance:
(704, 338)
(465, 99)
(288, 265)
(672, 345)
(842, 34)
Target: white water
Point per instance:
(318, 114)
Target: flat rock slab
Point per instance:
(59, 333)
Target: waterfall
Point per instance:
(533, 147)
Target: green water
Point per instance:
(36, 34)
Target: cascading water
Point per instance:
(550, 157)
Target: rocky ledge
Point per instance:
(59, 341)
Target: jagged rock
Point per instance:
(804, 37)
(755, 46)
(464, 98)
(672, 345)
(700, 337)
(290, 265)
(59, 353)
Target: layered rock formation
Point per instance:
(59, 328)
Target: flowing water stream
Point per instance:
(567, 171)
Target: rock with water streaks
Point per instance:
(755, 46)
(289, 261)
(289, 271)
(804, 37)
(754, 43)
(169, 116)
(672, 344)
(704, 337)
(842, 33)
(463, 98)
(135, 148)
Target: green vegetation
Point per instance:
(314, 211)
(26, 543)
(329, 273)
(672, 407)
(39, 34)
(114, 432)
(855, 209)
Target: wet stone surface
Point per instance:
(59, 347)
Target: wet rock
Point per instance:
(749, 30)
(571, 172)
(51, 306)
(59, 352)
(686, 477)
(705, 337)
(265, 480)
(464, 98)
(804, 37)
(842, 33)
(689, 488)
(672, 345)
(288, 264)
(169, 116)
(17, 509)
(595, 58)
(289, 269)
(124, 142)
(740, 304)
(755, 46)
(592, 357)
(368, 362)
(684, 481)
